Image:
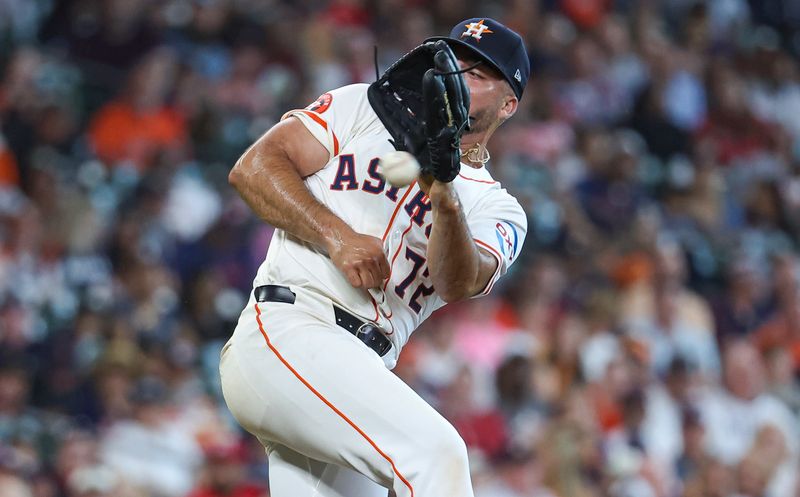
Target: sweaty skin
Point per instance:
(459, 268)
(269, 177)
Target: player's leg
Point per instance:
(303, 382)
(292, 474)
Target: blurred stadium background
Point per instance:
(648, 343)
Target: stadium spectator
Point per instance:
(646, 343)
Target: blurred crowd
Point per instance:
(647, 343)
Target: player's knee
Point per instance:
(448, 450)
(454, 448)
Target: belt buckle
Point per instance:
(372, 335)
(366, 329)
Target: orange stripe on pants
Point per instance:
(327, 402)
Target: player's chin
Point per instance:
(476, 126)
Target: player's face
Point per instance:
(487, 94)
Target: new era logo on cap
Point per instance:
(495, 44)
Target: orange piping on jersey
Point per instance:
(396, 210)
(324, 125)
(497, 256)
(397, 252)
(478, 180)
(490, 248)
(327, 402)
(377, 315)
(374, 305)
(316, 118)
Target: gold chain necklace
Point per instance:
(477, 154)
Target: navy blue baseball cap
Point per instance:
(497, 45)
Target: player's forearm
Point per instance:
(453, 257)
(270, 184)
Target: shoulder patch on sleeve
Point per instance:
(321, 104)
(507, 238)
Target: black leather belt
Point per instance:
(367, 332)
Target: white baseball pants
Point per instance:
(324, 405)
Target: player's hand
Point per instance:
(360, 258)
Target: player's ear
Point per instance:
(509, 107)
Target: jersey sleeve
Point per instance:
(335, 117)
(498, 225)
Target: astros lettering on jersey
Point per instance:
(349, 185)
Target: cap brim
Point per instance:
(483, 55)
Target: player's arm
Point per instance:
(459, 269)
(269, 177)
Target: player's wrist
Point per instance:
(443, 197)
(332, 239)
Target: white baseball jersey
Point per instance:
(350, 186)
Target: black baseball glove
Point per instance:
(423, 102)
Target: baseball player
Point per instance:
(356, 265)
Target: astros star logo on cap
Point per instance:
(476, 30)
